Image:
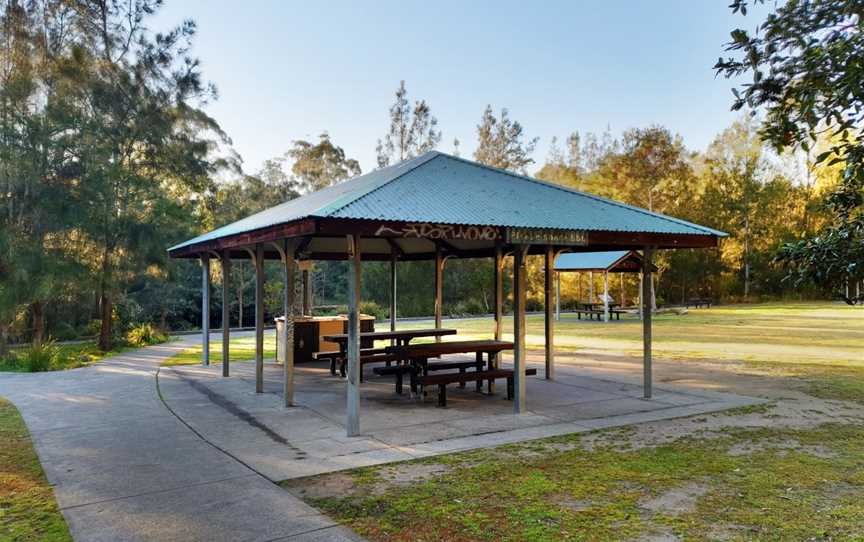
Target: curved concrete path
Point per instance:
(124, 468)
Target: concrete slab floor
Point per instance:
(310, 438)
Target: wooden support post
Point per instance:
(647, 284)
(393, 258)
(226, 313)
(352, 423)
(590, 286)
(205, 309)
(641, 287)
(259, 318)
(498, 286)
(557, 295)
(578, 286)
(288, 300)
(499, 293)
(549, 319)
(439, 286)
(605, 296)
(519, 353)
(623, 293)
(307, 294)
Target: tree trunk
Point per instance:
(37, 311)
(4, 340)
(105, 313)
(747, 257)
(106, 307)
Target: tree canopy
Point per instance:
(806, 77)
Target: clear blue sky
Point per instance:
(289, 70)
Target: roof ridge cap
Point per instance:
(588, 195)
(422, 159)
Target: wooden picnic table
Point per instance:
(417, 356)
(402, 337)
(372, 355)
(590, 305)
(431, 350)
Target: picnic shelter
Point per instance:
(434, 207)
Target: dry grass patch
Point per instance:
(28, 510)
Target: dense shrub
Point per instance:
(33, 359)
(468, 307)
(374, 309)
(145, 334)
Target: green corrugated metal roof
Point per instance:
(576, 261)
(439, 188)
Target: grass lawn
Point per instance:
(69, 356)
(28, 510)
(802, 333)
(242, 349)
(758, 484)
(822, 343)
(789, 470)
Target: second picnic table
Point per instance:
(371, 355)
(417, 366)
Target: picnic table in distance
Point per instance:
(400, 336)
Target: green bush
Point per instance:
(145, 334)
(468, 307)
(374, 309)
(37, 359)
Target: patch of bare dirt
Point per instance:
(678, 500)
(568, 502)
(409, 473)
(658, 537)
(747, 448)
(342, 484)
(337, 484)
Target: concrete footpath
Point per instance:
(124, 468)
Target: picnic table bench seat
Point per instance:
(442, 379)
(399, 371)
(334, 356)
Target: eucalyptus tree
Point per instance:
(413, 131)
(806, 76)
(144, 148)
(37, 169)
(501, 142)
(317, 166)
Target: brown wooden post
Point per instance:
(550, 317)
(499, 292)
(393, 258)
(557, 295)
(439, 286)
(205, 309)
(259, 318)
(519, 353)
(288, 300)
(647, 284)
(307, 293)
(605, 296)
(226, 313)
(352, 422)
(579, 286)
(498, 279)
(623, 293)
